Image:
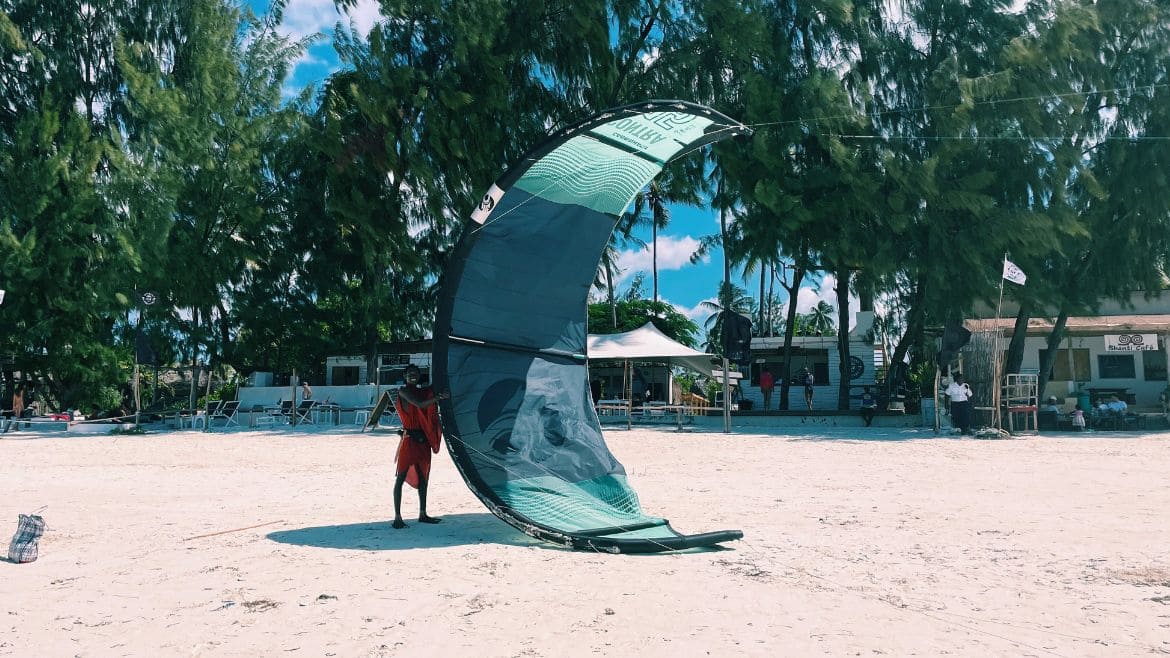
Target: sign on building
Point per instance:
(1131, 342)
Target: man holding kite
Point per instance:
(421, 433)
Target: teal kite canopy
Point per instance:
(511, 336)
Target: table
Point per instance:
(185, 417)
(270, 417)
(612, 407)
(331, 412)
(678, 410)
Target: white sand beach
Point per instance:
(857, 542)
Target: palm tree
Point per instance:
(820, 319)
(607, 269)
(731, 298)
(652, 198)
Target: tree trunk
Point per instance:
(763, 271)
(771, 296)
(789, 331)
(654, 254)
(609, 290)
(914, 325)
(372, 356)
(1015, 351)
(843, 337)
(194, 367)
(1049, 359)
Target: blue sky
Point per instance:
(680, 283)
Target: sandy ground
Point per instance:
(857, 542)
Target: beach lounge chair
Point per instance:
(227, 413)
(304, 412)
(200, 417)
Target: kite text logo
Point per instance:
(672, 120)
(639, 131)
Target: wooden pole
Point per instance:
(628, 389)
(292, 384)
(995, 367)
(726, 397)
(137, 393)
(937, 419)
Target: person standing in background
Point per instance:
(806, 378)
(960, 394)
(767, 383)
(868, 406)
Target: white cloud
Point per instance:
(305, 17)
(365, 15)
(674, 252)
(697, 313)
(807, 298)
(825, 291)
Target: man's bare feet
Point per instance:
(398, 524)
(428, 519)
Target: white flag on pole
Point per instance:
(1013, 273)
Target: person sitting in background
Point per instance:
(1100, 409)
(1117, 406)
(1048, 416)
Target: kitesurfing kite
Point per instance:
(510, 334)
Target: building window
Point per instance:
(1115, 366)
(1061, 368)
(345, 376)
(1154, 365)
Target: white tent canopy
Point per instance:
(649, 344)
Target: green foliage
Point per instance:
(634, 313)
(147, 146)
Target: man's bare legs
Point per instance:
(422, 502)
(398, 500)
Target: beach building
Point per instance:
(393, 357)
(823, 359)
(1122, 349)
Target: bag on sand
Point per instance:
(24, 543)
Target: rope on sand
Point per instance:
(224, 532)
